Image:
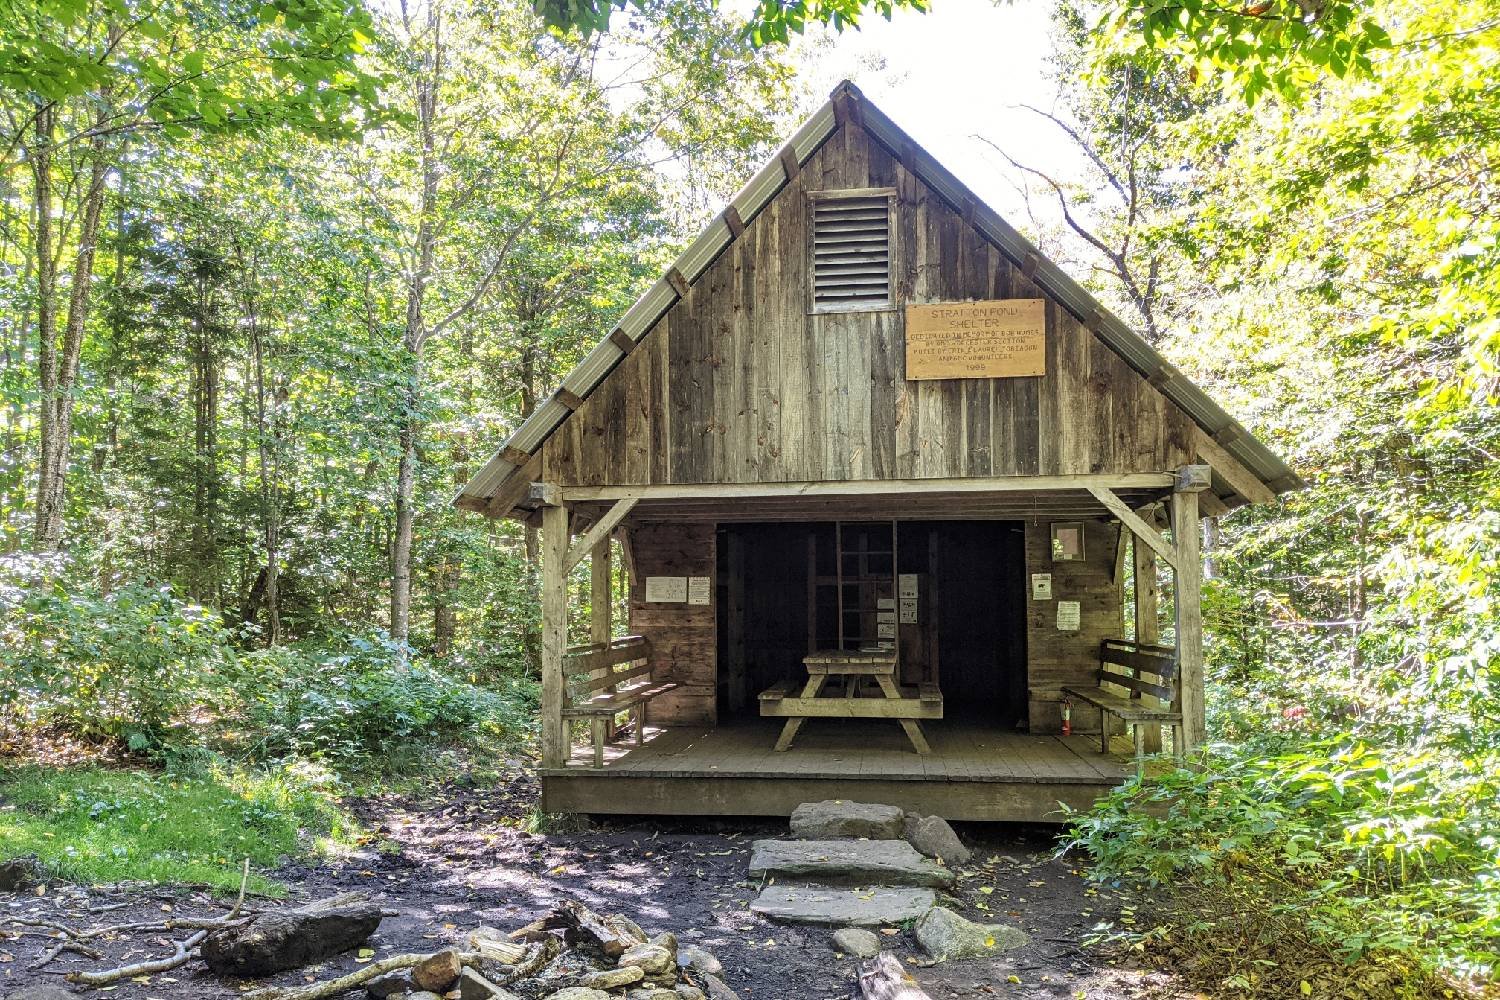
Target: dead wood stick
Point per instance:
(546, 950)
(182, 952)
(333, 987)
(883, 978)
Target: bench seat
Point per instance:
(1125, 664)
(615, 676)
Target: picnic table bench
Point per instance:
(853, 668)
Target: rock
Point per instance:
(834, 818)
(422, 995)
(19, 874)
(667, 940)
(800, 904)
(630, 927)
(846, 862)
(946, 935)
(857, 941)
(932, 836)
(611, 979)
(717, 990)
(437, 972)
(473, 986)
(699, 960)
(652, 959)
(278, 940)
(579, 993)
(392, 984)
(654, 993)
(686, 992)
(46, 992)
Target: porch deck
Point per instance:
(973, 773)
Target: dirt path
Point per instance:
(458, 858)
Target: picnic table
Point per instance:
(885, 701)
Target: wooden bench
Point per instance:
(1121, 666)
(616, 678)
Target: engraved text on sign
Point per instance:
(1000, 338)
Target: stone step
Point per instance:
(805, 904)
(834, 818)
(846, 863)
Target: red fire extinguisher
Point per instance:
(1067, 718)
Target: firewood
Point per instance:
(595, 930)
(883, 978)
(333, 987)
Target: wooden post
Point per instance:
(1147, 628)
(601, 596)
(1188, 587)
(554, 632)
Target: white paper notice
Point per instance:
(666, 589)
(906, 585)
(697, 590)
(885, 630)
(908, 610)
(1041, 586)
(886, 602)
(885, 616)
(1069, 616)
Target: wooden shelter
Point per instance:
(889, 486)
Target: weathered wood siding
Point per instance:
(739, 383)
(682, 635)
(1055, 658)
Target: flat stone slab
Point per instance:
(847, 863)
(833, 818)
(802, 904)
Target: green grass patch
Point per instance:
(95, 825)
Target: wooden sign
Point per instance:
(1000, 338)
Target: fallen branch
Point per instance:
(182, 950)
(333, 987)
(883, 978)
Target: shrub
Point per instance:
(1380, 858)
(132, 665)
(367, 701)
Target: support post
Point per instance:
(554, 632)
(601, 609)
(1188, 594)
(1147, 628)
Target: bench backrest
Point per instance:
(603, 665)
(1122, 663)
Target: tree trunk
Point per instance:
(429, 81)
(59, 370)
(269, 465)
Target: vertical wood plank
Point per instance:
(1187, 598)
(554, 632)
(1147, 628)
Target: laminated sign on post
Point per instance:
(1000, 338)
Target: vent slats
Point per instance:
(851, 251)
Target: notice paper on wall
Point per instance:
(886, 602)
(666, 589)
(906, 585)
(885, 630)
(908, 610)
(1041, 586)
(697, 590)
(1069, 616)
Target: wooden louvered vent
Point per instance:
(851, 252)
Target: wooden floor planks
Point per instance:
(857, 749)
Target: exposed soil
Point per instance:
(456, 858)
